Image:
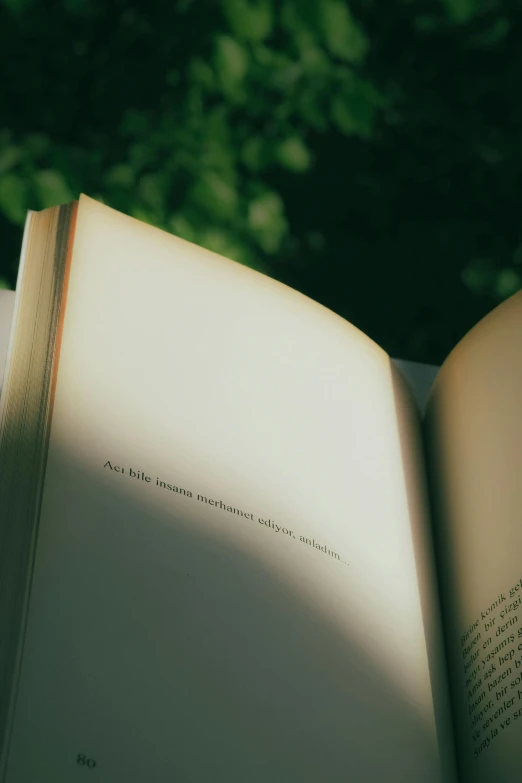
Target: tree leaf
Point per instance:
(507, 282)
(267, 221)
(13, 198)
(249, 19)
(52, 189)
(344, 37)
(231, 63)
(216, 195)
(294, 155)
(461, 11)
(9, 157)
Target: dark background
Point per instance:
(366, 153)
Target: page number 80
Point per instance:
(83, 761)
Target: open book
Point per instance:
(218, 560)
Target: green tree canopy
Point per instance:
(367, 154)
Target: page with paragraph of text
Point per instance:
(475, 431)
(226, 584)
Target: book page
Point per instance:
(476, 428)
(225, 585)
(7, 300)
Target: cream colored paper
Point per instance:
(169, 639)
(476, 414)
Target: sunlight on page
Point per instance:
(225, 505)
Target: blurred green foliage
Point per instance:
(367, 154)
